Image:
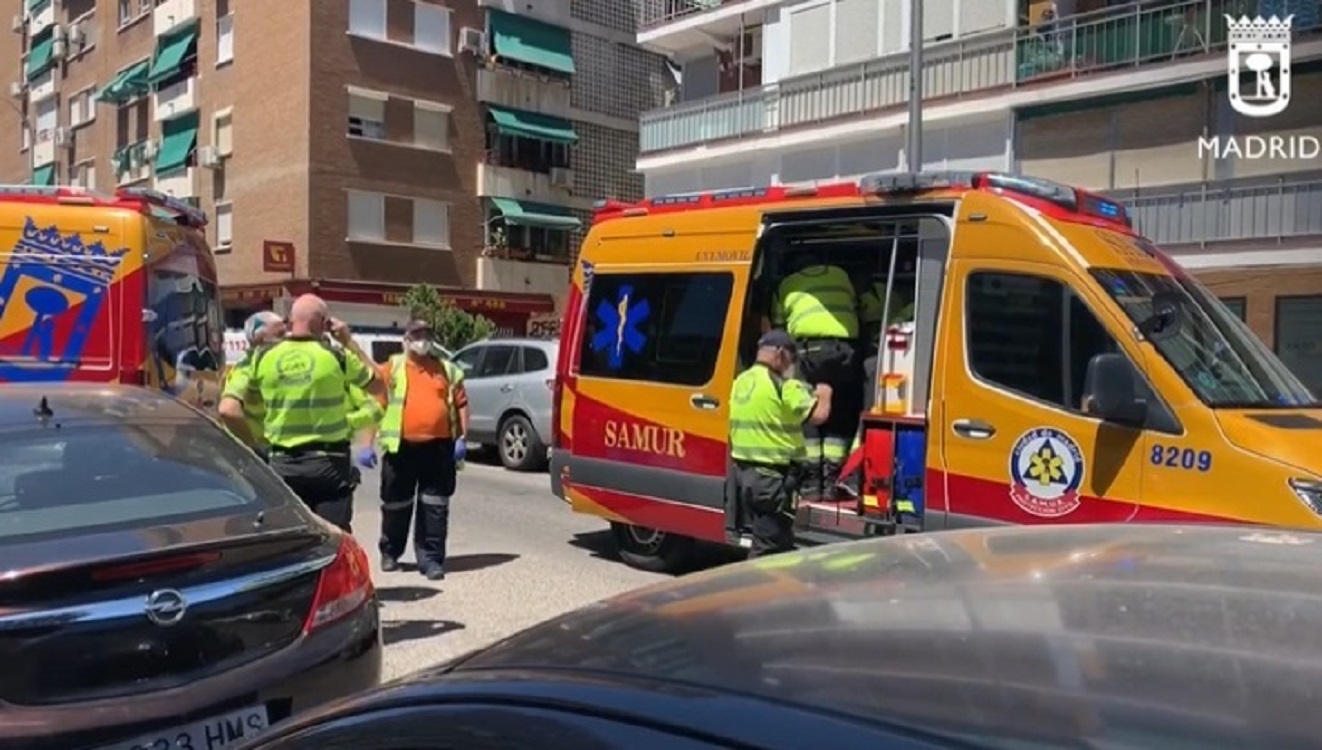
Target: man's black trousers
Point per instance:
(323, 478)
(416, 484)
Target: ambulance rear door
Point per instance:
(655, 362)
(1016, 444)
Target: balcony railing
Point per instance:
(654, 13)
(1212, 213)
(1127, 36)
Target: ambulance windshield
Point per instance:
(1212, 350)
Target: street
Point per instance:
(517, 556)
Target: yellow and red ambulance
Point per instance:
(108, 288)
(1057, 367)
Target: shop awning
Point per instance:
(533, 125)
(127, 84)
(44, 175)
(42, 54)
(171, 52)
(527, 214)
(178, 140)
(531, 42)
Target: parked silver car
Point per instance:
(510, 384)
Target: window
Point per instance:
(223, 133)
(367, 216)
(656, 327)
(1238, 306)
(431, 126)
(48, 118)
(224, 39)
(84, 174)
(431, 28)
(1298, 344)
(431, 223)
(126, 12)
(367, 115)
(224, 224)
(219, 188)
(499, 360)
(367, 18)
(82, 107)
(534, 360)
(1033, 336)
(468, 359)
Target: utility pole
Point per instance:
(915, 147)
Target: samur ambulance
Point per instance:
(1057, 367)
(108, 288)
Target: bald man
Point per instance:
(305, 384)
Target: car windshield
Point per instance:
(1213, 351)
(84, 478)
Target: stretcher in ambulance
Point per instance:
(1050, 366)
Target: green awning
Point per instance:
(533, 125)
(42, 54)
(527, 214)
(531, 42)
(35, 5)
(171, 52)
(178, 139)
(127, 84)
(44, 176)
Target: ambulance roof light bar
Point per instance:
(182, 212)
(139, 199)
(55, 193)
(905, 183)
(1061, 196)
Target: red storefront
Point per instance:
(509, 311)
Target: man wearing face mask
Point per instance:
(421, 438)
(769, 407)
(304, 385)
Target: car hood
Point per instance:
(1289, 436)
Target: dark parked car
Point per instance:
(162, 588)
(1016, 638)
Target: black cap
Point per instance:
(415, 327)
(777, 339)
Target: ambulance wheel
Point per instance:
(519, 446)
(651, 550)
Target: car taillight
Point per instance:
(345, 585)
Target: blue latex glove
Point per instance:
(366, 457)
(460, 450)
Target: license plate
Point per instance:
(218, 732)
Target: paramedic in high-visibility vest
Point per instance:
(421, 439)
(260, 329)
(818, 306)
(304, 385)
(769, 409)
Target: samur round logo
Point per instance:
(1046, 472)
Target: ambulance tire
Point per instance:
(651, 550)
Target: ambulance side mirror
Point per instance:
(1110, 390)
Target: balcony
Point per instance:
(1112, 41)
(45, 150)
(181, 183)
(681, 27)
(43, 86)
(1211, 213)
(175, 99)
(131, 163)
(171, 14)
(511, 182)
(551, 11)
(496, 274)
(41, 18)
(517, 89)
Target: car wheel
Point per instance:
(651, 550)
(519, 446)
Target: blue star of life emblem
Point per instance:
(619, 329)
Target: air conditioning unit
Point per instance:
(77, 37)
(17, 89)
(63, 138)
(17, 24)
(562, 177)
(58, 48)
(473, 40)
(209, 158)
(149, 150)
(57, 33)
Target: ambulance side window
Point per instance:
(656, 327)
(1033, 336)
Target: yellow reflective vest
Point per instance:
(392, 425)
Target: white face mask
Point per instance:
(420, 347)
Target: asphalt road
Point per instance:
(517, 556)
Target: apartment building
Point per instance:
(353, 151)
(1107, 95)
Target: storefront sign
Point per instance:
(277, 257)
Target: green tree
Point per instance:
(454, 328)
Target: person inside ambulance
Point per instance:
(817, 305)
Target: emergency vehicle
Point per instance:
(1057, 367)
(108, 288)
